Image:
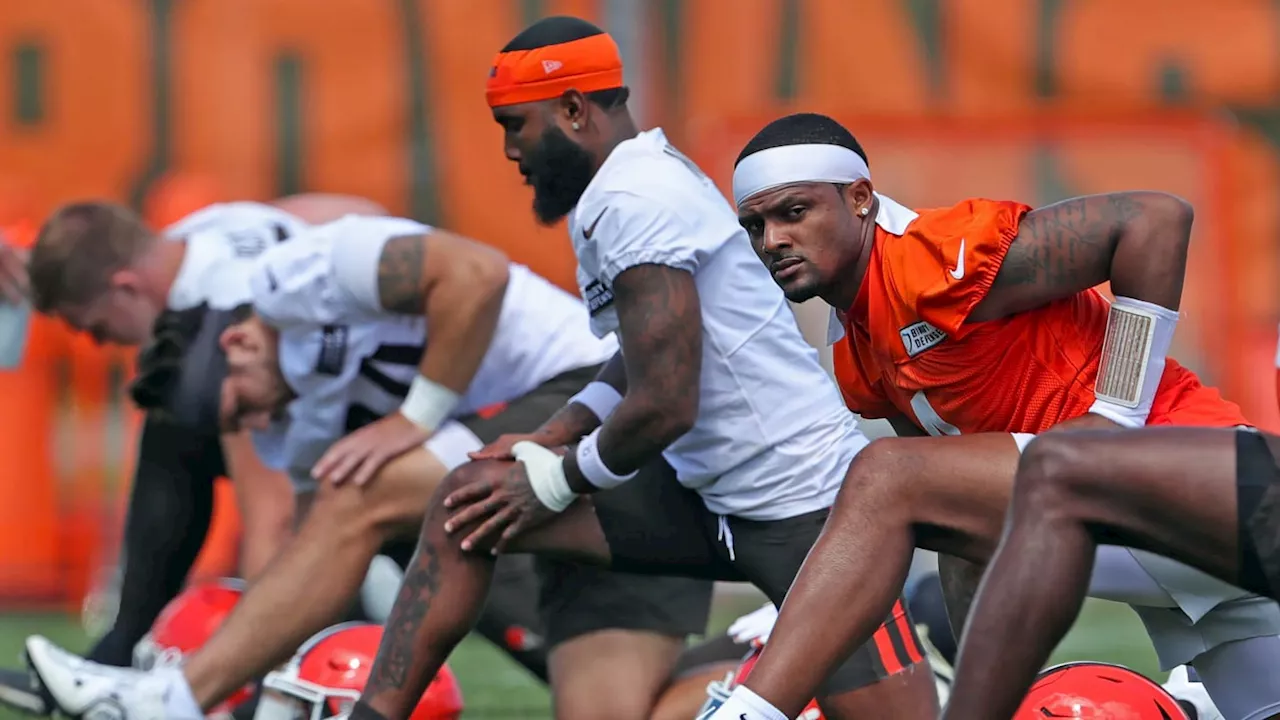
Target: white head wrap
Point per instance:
(788, 164)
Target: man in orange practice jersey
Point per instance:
(979, 318)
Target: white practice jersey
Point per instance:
(350, 362)
(773, 438)
(223, 241)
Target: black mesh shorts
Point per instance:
(1258, 513)
(655, 525)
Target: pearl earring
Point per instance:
(863, 212)
(576, 126)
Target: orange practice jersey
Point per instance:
(908, 350)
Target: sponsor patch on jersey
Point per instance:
(918, 337)
(333, 350)
(598, 296)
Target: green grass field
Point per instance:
(495, 688)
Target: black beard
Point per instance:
(559, 171)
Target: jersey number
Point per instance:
(360, 415)
(928, 417)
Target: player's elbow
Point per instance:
(681, 419)
(484, 273)
(1169, 217)
(673, 416)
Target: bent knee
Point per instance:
(383, 508)
(340, 510)
(1056, 472)
(471, 473)
(880, 474)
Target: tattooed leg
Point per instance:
(429, 618)
(445, 588)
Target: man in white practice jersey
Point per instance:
(145, 274)
(714, 380)
(419, 346)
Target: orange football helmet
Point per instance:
(328, 673)
(186, 624)
(1097, 691)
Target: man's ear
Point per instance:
(573, 107)
(858, 194)
(127, 280)
(235, 336)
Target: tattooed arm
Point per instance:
(660, 327)
(1137, 240)
(459, 288)
(574, 420)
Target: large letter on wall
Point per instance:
(481, 192)
(279, 96)
(74, 96)
(1126, 54)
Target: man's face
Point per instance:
(122, 314)
(558, 168)
(254, 392)
(806, 234)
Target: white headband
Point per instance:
(778, 166)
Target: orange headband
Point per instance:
(586, 65)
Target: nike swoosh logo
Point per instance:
(586, 234)
(958, 271)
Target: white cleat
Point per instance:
(943, 674)
(754, 627)
(1192, 696)
(83, 689)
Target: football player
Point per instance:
(199, 260)
(714, 382)
(968, 323)
(374, 355)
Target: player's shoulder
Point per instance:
(648, 173)
(236, 216)
(919, 243)
(350, 231)
(937, 224)
(974, 215)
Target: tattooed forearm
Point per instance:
(396, 654)
(660, 325)
(569, 424)
(400, 274)
(1076, 244)
(573, 421)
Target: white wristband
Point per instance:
(1133, 359)
(592, 466)
(546, 475)
(428, 404)
(598, 397)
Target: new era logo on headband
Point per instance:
(550, 66)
